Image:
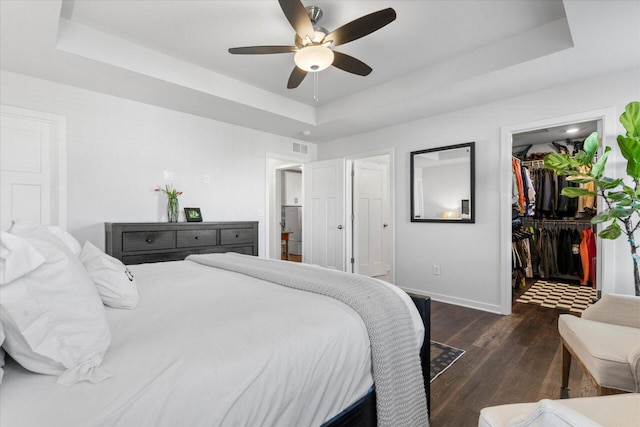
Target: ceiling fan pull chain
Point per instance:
(316, 88)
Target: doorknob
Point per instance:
(385, 225)
(339, 227)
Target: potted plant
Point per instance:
(622, 195)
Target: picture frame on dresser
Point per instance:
(144, 242)
(193, 214)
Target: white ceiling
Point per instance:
(438, 56)
(574, 131)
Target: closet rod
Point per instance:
(558, 221)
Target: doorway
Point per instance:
(345, 217)
(289, 193)
(552, 234)
(605, 122)
(275, 199)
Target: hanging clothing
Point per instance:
(515, 167)
(575, 251)
(565, 254)
(567, 206)
(530, 192)
(587, 254)
(587, 204)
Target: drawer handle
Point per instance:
(196, 237)
(237, 236)
(149, 240)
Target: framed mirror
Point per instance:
(443, 184)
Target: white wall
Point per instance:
(469, 253)
(118, 149)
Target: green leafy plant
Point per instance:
(168, 189)
(621, 196)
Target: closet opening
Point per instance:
(554, 253)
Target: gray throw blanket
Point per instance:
(401, 399)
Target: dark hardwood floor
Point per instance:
(508, 359)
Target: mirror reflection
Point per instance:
(442, 184)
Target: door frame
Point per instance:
(271, 220)
(605, 248)
(392, 206)
(57, 158)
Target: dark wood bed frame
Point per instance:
(363, 412)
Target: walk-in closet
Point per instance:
(554, 255)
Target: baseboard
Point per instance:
(491, 308)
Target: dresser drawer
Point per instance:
(194, 238)
(234, 236)
(147, 240)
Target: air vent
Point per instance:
(300, 148)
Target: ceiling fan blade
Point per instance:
(296, 77)
(362, 26)
(262, 50)
(350, 64)
(297, 15)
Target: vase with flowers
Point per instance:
(172, 201)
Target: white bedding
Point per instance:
(208, 347)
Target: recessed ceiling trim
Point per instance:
(86, 42)
(526, 46)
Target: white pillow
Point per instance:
(552, 413)
(67, 238)
(53, 318)
(17, 258)
(114, 281)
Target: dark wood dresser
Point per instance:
(137, 243)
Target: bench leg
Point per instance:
(566, 366)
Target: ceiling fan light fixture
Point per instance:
(314, 58)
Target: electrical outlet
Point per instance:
(436, 269)
(206, 179)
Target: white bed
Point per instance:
(209, 347)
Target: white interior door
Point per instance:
(324, 230)
(28, 175)
(370, 209)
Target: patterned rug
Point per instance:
(442, 357)
(550, 294)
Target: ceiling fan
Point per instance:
(312, 42)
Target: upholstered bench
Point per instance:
(622, 410)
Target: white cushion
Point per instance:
(67, 238)
(17, 258)
(550, 413)
(53, 318)
(603, 349)
(621, 410)
(115, 283)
